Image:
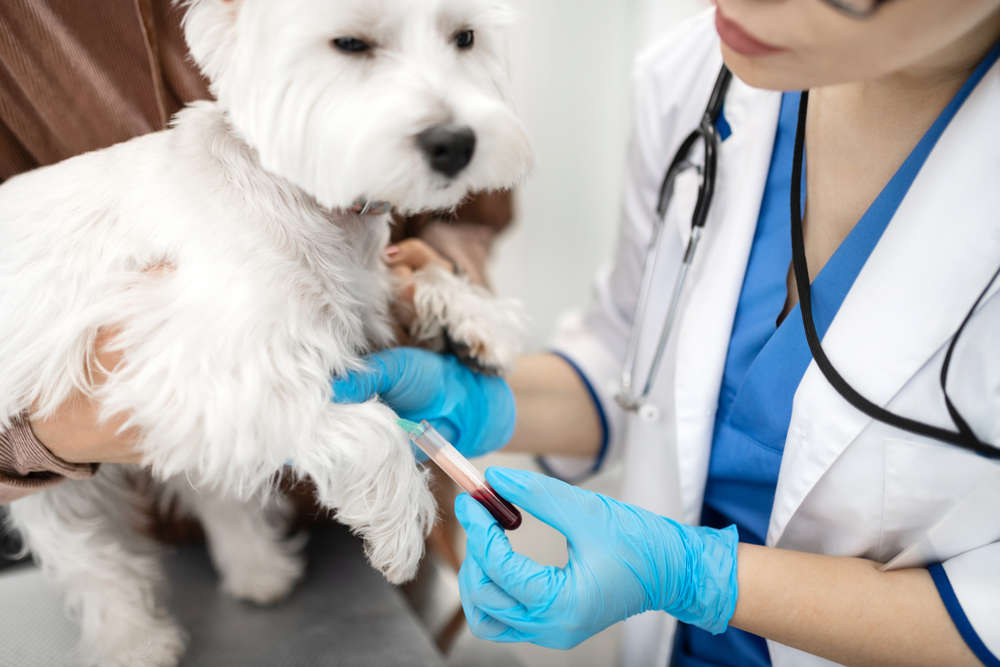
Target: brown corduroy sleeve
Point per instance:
(26, 466)
(181, 75)
(79, 76)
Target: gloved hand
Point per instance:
(623, 561)
(472, 411)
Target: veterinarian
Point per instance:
(763, 497)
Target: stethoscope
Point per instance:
(708, 135)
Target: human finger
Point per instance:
(416, 255)
(552, 501)
(76, 431)
(494, 615)
(405, 286)
(478, 590)
(517, 575)
(473, 586)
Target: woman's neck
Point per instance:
(859, 134)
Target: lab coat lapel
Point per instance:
(716, 280)
(933, 261)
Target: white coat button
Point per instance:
(649, 412)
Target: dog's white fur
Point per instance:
(222, 252)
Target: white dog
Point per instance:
(226, 252)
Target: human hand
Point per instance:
(474, 412)
(403, 260)
(623, 561)
(75, 433)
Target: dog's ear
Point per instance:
(210, 31)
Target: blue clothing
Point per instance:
(766, 363)
(743, 473)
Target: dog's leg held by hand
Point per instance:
(485, 332)
(365, 471)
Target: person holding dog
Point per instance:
(812, 473)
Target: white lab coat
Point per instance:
(848, 486)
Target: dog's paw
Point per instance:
(267, 575)
(485, 332)
(490, 345)
(151, 642)
(396, 550)
(394, 538)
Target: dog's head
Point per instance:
(405, 101)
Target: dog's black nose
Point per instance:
(448, 148)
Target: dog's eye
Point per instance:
(350, 45)
(465, 39)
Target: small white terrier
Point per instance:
(226, 253)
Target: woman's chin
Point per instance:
(774, 72)
(754, 72)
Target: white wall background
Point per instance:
(572, 64)
(572, 61)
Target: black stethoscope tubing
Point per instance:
(708, 133)
(964, 436)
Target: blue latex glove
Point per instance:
(623, 561)
(472, 411)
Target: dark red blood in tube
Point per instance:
(506, 514)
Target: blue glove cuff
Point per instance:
(712, 590)
(497, 427)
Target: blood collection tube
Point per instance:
(464, 473)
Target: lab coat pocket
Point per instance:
(923, 483)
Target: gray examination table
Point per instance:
(343, 614)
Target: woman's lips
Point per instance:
(739, 40)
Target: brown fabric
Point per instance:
(79, 76)
(26, 466)
(493, 210)
(181, 77)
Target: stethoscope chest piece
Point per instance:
(649, 413)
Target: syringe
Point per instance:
(464, 473)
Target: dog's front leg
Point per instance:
(364, 468)
(486, 332)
